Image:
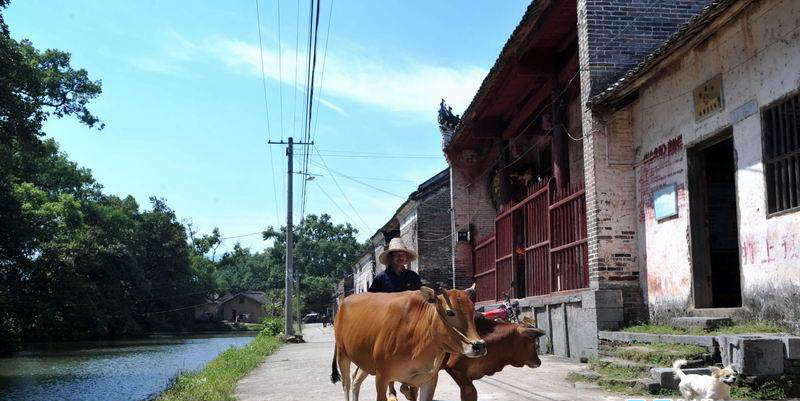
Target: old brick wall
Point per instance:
(619, 34)
(472, 210)
(434, 237)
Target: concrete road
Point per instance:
(302, 372)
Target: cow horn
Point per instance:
(533, 332)
(428, 294)
(473, 295)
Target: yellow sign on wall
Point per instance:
(708, 98)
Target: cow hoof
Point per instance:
(391, 398)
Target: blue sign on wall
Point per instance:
(665, 201)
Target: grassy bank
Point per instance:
(217, 382)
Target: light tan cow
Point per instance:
(403, 336)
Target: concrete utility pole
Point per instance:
(289, 328)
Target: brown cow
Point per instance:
(403, 336)
(506, 344)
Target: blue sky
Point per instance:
(183, 99)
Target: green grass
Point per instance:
(741, 328)
(623, 388)
(653, 329)
(574, 377)
(770, 390)
(750, 327)
(660, 353)
(217, 382)
(618, 372)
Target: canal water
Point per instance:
(107, 371)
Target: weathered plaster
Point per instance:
(759, 58)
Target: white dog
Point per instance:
(714, 387)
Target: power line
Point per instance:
(357, 181)
(334, 202)
(280, 63)
(356, 152)
(322, 73)
(325, 166)
(266, 108)
(376, 156)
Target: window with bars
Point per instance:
(781, 124)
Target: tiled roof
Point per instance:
(530, 13)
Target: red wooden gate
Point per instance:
(504, 252)
(556, 252)
(484, 269)
(537, 240)
(569, 252)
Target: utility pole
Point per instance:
(289, 328)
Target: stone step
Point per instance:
(586, 374)
(705, 323)
(627, 337)
(666, 378)
(610, 360)
(648, 384)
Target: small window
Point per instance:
(781, 123)
(241, 300)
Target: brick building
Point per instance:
(542, 196)
(711, 169)
(423, 222)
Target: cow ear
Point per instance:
(473, 295)
(533, 332)
(428, 294)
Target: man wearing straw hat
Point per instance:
(396, 277)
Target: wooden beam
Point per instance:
(522, 117)
(491, 126)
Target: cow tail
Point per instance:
(335, 377)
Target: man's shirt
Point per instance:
(388, 281)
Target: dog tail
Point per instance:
(676, 368)
(334, 370)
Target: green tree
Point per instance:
(323, 251)
(41, 193)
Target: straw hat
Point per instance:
(396, 244)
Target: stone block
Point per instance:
(603, 299)
(666, 378)
(649, 385)
(626, 337)
(608, 314)
(705, 341)
(791, 347)
(752, 355)
(705, 323)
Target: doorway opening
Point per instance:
(714, 227)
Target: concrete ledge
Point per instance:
(752, 355)
(544, 300)
(706, 341)
(791, 347)
(666, 378)
(705, 323)
(623, 336)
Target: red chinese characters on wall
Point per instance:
(661, 166)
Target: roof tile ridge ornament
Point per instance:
(447, 123)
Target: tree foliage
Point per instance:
(76, 263)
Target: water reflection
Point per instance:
(109, 371)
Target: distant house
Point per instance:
(364, 272)
(206, 312)
(248, 306)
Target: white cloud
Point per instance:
(387, 81)
(398, 84)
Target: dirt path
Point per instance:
(302, 372)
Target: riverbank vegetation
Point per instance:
(77, 263)
(217, 382)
